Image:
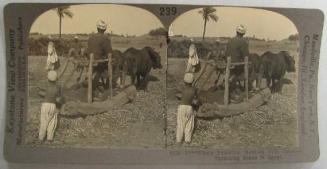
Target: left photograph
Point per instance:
(96, 78)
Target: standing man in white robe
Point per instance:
(52, 60)
(193, 58)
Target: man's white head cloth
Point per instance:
(192, 40)
(241, 29)
(101, 25)
(76, 37)
(188, 78)
(52, 75)
(50, 37)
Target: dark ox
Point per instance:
(117, 69)
(139, 62)
(117, 65)
(274, 66)
(255, 70)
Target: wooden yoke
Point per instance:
(89, 76)
(110, 72)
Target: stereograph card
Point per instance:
(161, 84)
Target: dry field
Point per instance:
(272, 125)
(139, 124)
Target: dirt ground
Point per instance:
(139, 124)
(272, 125)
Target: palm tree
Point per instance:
(208, 13)
(62, 12)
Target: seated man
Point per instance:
(100, 45)
(237, 49)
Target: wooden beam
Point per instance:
(246, 74)
(237, 63)
(86, 62)
(217, 110)
(76, 108)
(90, 79)
(101, 60)
(226, 94)
(210, 62)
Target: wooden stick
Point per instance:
(79, 79)
(86, 62)
(101, 60)
(237, 63)
(110, 73)
(226, 94)
(246, 74)
(218, 77)
(223, 66)
(90, 73)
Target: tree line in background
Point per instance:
(294, 37)
(39, 47)
(158, 32)
(180, 48)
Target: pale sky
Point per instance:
(261, 23)
(122, 19)
(130, 20)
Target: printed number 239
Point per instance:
(168, 11)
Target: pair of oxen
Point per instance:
(272, 67)
(136, 63)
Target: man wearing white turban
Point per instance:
(237, 49)
(100, 45)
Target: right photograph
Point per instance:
(232, 80)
